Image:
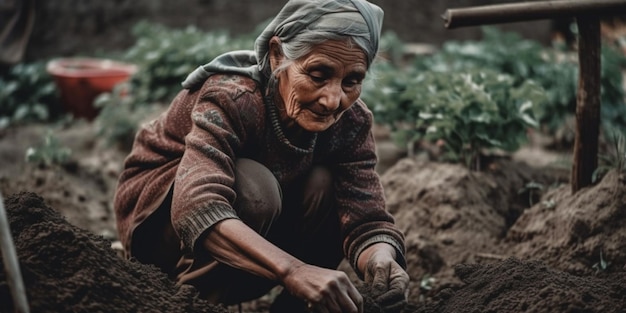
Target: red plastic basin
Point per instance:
(81, 80)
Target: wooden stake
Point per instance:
(587, 102)
(11, 264)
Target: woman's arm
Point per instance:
(233, 243)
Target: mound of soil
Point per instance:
(481, 242)
(68, 269)
(516, 286)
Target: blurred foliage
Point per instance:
(166, 56)
(402, 96)
(27, 94)
(612, 155)
(471, 94)
(467, 111)
(49, 152)
(553, 68)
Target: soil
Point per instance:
(509, 238)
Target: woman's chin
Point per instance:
(316, 126)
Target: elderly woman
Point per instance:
(261, 172)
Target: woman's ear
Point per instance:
(276, 53)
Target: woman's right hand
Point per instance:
(324, 290)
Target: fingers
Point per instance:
(344, 298)
(328, 291)
(356, 298)
(394, 299)
(380, 280)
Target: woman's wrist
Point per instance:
(367, 253)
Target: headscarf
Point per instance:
(295, 17)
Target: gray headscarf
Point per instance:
(295, 17)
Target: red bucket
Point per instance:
(81, 80)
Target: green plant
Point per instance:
(119, 117)
(27, 94)
(49, 152)
(468, 111)
(601, 265)
(612, 96)
(549, 204)
(553, 68)
(166, 56)
(615, 156)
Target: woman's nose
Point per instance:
(331, 97)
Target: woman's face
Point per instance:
(316, 89)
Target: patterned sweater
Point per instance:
(195, 142)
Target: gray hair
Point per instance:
(303, 24)
(300, 25)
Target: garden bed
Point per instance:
(476, 241)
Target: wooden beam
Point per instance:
(532, 10)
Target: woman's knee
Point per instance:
(318, 191)
(259, 196)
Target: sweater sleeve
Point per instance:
(204, 183)
(361, 203)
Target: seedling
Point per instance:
(549, 204)
(615, 158)
(49, 152)
(602, 265)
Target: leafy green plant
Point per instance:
(27, 94)
(553, 68)
(166, 56)
(468, 111)
(49, 152)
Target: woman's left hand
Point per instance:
(388, 281)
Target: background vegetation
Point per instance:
(470, 96)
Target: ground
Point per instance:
(509, 238)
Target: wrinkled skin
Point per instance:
(315, 90)
(387, 279)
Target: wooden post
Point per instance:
(587, 13)
(587, 102)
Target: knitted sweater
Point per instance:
(194, 143)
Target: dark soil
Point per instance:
(476, 241)
(68, 269)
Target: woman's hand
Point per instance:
(324, 290)
(388, 281)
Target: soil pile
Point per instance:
(516, 286)
(68, 269)
(485, 242)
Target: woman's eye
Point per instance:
(317, 77)
(351, 82)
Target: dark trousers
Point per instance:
(300, 219)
